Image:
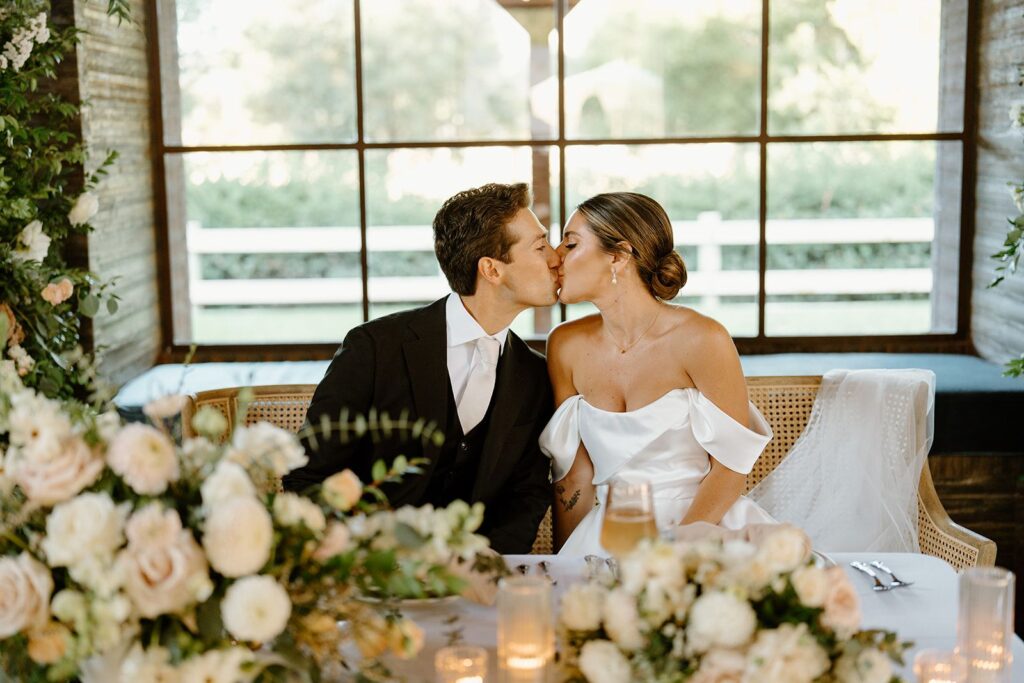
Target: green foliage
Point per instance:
(42, 162)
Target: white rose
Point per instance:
(229, 480)
(582, 606)
(720, 666)
(165, 407)
(86, 206)
(144, 457)
(811, 585)
(237, 537)
(842, 606)
(164, 568)
(602, 662)
(25, 587)
(868, 666)
(268, 447)
(58, 477)
(292, 510)
(789, 653)
(87, 526)
(784, 549)
(621, 619)
(720, 619)
(336, 541)
(219, 666)
(152, 665)
(256, 609)
(33, 244)
(342, 490)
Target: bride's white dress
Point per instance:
(666, 442)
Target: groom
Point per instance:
(456, 363)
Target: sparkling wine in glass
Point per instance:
(628, 516)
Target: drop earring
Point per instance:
(615, 279)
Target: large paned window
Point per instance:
(810, 153)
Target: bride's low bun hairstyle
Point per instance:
(616, 217)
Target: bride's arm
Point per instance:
(573, 493)
(718, 375)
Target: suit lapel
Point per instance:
(426, 363)
(503, 413)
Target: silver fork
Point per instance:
(879, 586)
(896, 582)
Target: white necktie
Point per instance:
(480, 384)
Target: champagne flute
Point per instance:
(628, 516)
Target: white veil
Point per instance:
(851, 479)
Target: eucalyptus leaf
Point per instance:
(89, 306)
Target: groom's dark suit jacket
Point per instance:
(399, 364)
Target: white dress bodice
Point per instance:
(667, 442)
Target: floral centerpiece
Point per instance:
(127, 557)
(722, 612)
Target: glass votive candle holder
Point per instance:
(939, 666)
(461, 664)
(985, 624)
(526, 634)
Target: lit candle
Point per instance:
(985, 624)
(938, 666)
(460, 664)
(526, 635)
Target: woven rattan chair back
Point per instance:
(281, 405)
(786, 403)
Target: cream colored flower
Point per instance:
(811, 585)
(292, 510)
(150, 665)
(229, 480)
(789, 653)
(219, 666)
(48, 644)
(621, 619)
(267, 447)
(55, 477)
(867, 666)
(25, 588)
(86, 206)
(602, 662)
(237, 537)
(256, 609)
(582, 606)
(342, 490)
(405, 638)
(33, 244)
(784, 549)
(720, 619)
(164, 568)
(144, 457)
(90, 525)
(337, 540)
(720, 666)
(56, 293)
(842, 606)
(165, 407)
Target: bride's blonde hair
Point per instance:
(617, 217)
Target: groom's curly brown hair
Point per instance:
(474, 224)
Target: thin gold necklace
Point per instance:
(622, 349)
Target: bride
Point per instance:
(646, 390)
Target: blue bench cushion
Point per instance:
(977, 410)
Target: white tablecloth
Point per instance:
(924, 613)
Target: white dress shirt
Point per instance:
(463, 331)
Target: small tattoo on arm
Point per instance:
(572, 500)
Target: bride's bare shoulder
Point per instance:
(569, 334)
(695, 331)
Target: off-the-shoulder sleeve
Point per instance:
(725, 439)
(561, 438)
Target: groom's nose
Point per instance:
(554, 259)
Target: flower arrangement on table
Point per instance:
(722, 612)
(127, 557)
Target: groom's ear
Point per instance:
(488, 269)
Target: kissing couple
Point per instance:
(645, 390)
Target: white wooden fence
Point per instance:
(709, 234)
